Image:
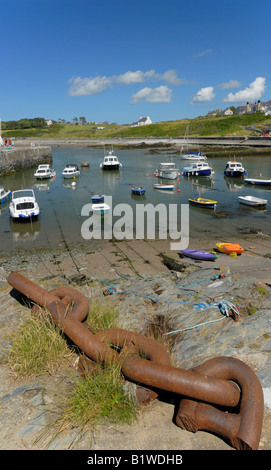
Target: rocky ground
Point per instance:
(163, 290)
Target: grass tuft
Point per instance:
(38, 347)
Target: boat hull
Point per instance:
(200, 202)
(164, 186)
(258, 181)
(198, 254)
(188, 172)
(252, 201)
(229, 248)
(5, 197)
(138, 191)
(110, 167)
(234, 174)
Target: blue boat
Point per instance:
(4, 195)
(198, 254)
(98, 198)
(138, 190)
(198, 169)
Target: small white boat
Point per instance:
(100, 208)
(198, 169)
(234, 169)
(44, 172)
(186, 155)
(252, 201)
(167, 170)
(71, 171)
(111, 162)
(23, 204)
(258, 181)
(193, 156)
(4, 195)
(163, 186)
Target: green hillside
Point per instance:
(245, 124)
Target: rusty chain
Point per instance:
(222, 396)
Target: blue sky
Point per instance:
(118, 60)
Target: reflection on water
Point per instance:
(61, 200)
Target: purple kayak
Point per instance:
(198, 254)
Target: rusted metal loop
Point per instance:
(242, 428)
(217, 382)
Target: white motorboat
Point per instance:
(44, 172)
(4, 195)
(167, 170)
(198, 169)
(71, 171)
(111, 162)
(23, 204)
(163, 186)
(234, 169)
(100, 208)
(252, 201)
(258, 181)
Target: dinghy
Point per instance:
(138, 190)
(252, 201)
(198, 254)
(163, 186)
(259, 181)
(229, 248)
(100, 208)
(201, 202)
(97, 198)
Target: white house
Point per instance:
(143, 121)
(228, 112)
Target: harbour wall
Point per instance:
(13, 159)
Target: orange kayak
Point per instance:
(230, 248)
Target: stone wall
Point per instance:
(23, 157)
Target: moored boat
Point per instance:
(110, 162)
(229, 248)
(97, 198)
(23, 204)
(201, 202)
(259, 181)
(167, 170)
(163, 186)
(5, 195)
(44, 172)
(198, 254)
(71, 171)
(198, 169)
(100, 208)
(85, 164)
(252, 201)
(234, 169)
(138, 190)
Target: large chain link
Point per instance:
(222, 396)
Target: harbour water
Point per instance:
(61, 200)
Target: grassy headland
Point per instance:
(245, 124)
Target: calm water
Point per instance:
(61, 203)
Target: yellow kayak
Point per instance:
(230, 248)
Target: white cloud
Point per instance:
(161, 94)
(204, 94)
(89, 86)
(94, 85)
(253, 92)
(134, 77)
(206, 52)
(230, 84)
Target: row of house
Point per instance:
(250, 108)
